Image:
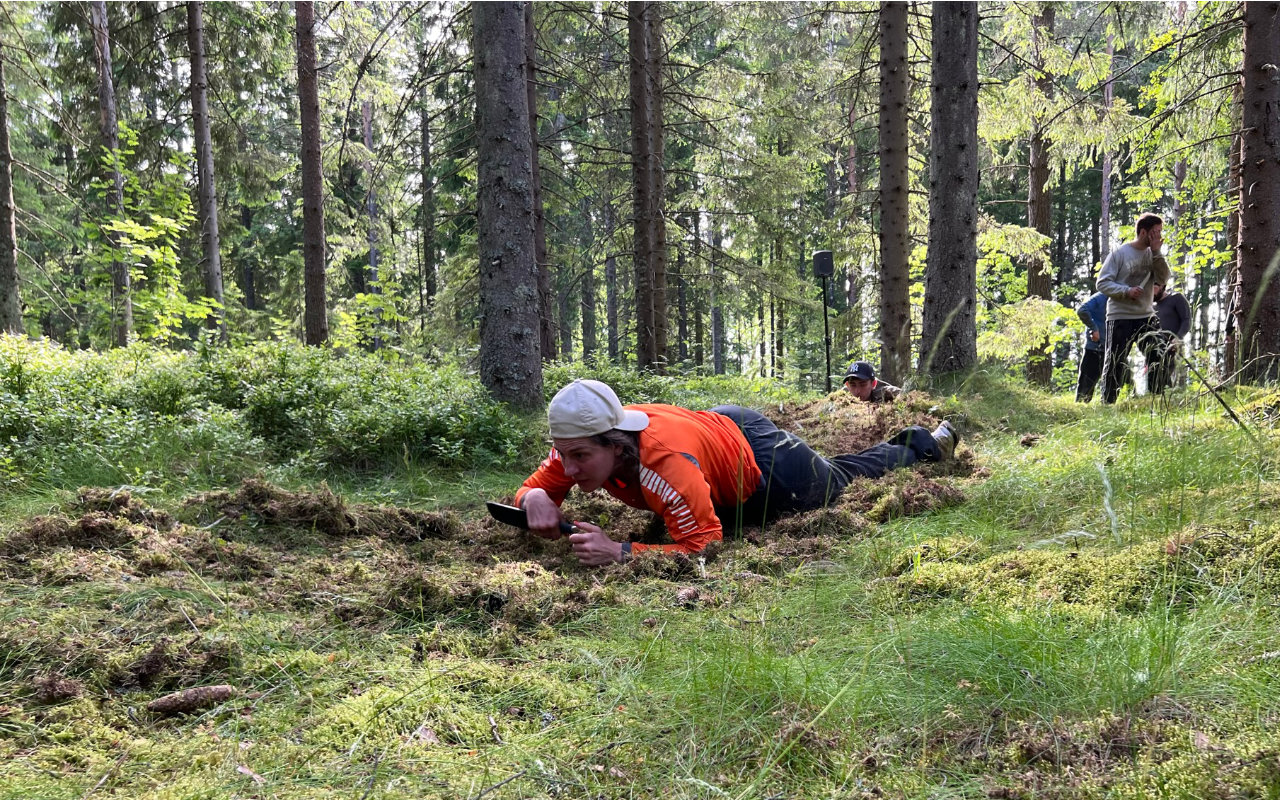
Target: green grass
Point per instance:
(1095, 620)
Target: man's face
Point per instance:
(589, 464)
(1158, 292)
(859, 387)
(1155, 237)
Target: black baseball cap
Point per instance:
(861, 370)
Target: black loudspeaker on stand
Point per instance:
(824, 267)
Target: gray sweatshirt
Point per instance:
(1128, 266)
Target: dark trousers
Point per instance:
(1159, 350)
(796, 478)
(1090, 372)
(1121, 334)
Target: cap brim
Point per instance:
(633, 421)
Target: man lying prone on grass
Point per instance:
(695, 468)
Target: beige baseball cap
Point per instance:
(585, 408)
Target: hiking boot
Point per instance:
(947, 438)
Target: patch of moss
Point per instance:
(1177, 571)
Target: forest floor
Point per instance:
(1079, 605)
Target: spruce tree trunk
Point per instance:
(682, 308)
(949, 326)
(1258, 314)
(698, 352)
(315, 315)
(211, 242)
(1040, 211)
(427, 278)
(10, 297)
(610, 286)
(510, 345)
(895, 239)
(717, 310)
(547, 330)
(121, 295)
(588, 286)
(644, 35)
(248, 279)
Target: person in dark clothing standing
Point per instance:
(1093, 313)
(1161, 350)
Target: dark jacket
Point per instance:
(1174, 313)
(1093, 313)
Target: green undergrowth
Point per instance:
(1081, 604)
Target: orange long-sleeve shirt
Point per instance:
(690, 462)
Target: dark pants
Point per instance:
(795, 478)
(1121, 334)
(1090, 372)
(1159, 350)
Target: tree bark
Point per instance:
(1040, 206)
(1258, 314)
(315, 313)
(949, 325)
(10, 294)
(717, 310)
(588, 285)
(644, 35)
(546, 330)
(698, 352)
(510, 342)
(611, 286)
(1108, 93)
(682, 307)
(895, 239)
(427, 221)
(210, 240)
(121, 294)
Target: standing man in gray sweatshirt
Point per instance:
(1128, 279)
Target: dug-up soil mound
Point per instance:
(322, 511)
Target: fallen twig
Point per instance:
(500, 784)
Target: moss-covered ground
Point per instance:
(1082, 604)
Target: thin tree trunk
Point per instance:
(717, 311)
(698, 352)
(949, 325)
(428, 210)
(682, 307)
(121, 294)
(546, 328)
(315, 314)
(10, 296)
(248, 279)
(1258, 315)
(510, 346)
(588, 285)
(895, 238)
(211, 241)
(1040, 209)
(371, 214)
(610, 285)
(1108, 93)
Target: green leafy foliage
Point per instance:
(143, 414)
